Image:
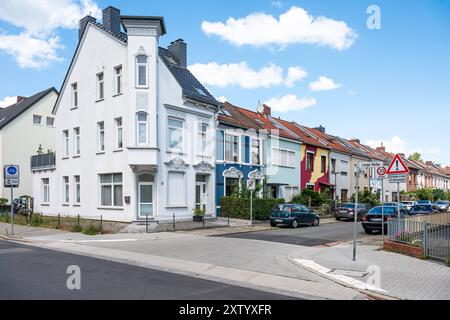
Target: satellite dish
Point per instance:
(260, 108)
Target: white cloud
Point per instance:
(277, 4)
(8, 101)
(294, 26)
(394, 144)
(37, 44)
(290, 102)
(295, 74)
(242, 75)
(222, 99)
(324, 84)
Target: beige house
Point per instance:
(24, 127)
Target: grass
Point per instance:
(91, 230)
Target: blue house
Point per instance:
(240, 149)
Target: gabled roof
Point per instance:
(7, 115)
(230, 115)
(306, 136)
(268, 124)
(192, 88)
(358, 149)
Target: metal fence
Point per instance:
(43, 162)
(434, 238)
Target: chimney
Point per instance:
(267, 111)
(111, 19)
(402, 155)
(20, 99)
(83, 24)
(321, 129)
(178, 50)
(356, 141)
(430, 163)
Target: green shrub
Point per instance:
(317, 198)
(3, 202)
(239, 208)
(92, 230)
(36, 220)
(76, 229)
(367, 197)
(5, 217)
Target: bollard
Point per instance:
(203, 220)
(101, 224)
(174, 221)
(59, 221)
(78, 221)
(146, 223)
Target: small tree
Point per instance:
(416, 156)
(424, 194)
(367, 197)
(439, 194)
(3, 201)
(317, 198)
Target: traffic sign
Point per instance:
(251, 184)
(11, 176)
(381, 171)
(397, 178)
(397, 166)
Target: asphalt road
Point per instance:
(34, 273)
(307, 236)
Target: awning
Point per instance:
(327, 184)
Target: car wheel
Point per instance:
(316, 222)
(368, 231)
(295, 224)
(338, 219)
(273, 225)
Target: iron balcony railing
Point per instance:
(434, 238)
(42, 162)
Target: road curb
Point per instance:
(371, 294)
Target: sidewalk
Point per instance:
(401, 276)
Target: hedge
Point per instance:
(239, 208)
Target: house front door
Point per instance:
(146, 200)
(200, 196)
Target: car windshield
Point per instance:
(424, 201)
(387, 210)
(442, 202)
(422, 208)
(349, 205)
(282, 208)
(407, 203)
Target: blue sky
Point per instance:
(390, 85)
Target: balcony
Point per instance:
(43, 162)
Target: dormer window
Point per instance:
(141, 71)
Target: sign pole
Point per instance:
(356, 214)
(12, 211)
(382, 212)
(251, 208)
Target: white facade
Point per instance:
(21, 138)
(340, 174)
(125, 166)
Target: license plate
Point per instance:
(342, 211)
(377, 220)
(278, 220)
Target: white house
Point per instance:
(24, 127)
(135, 130)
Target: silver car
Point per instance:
(409, 204)
(443, 205)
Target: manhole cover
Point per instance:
(351, 273)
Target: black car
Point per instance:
(373, 220)
(424, 209)
(293, 215)
(347, 211)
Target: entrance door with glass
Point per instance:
(200, 193)
(146, 196)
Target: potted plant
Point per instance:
(198, 215)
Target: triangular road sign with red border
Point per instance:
(397, 166)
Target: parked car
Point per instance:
(20, 206)
(293, 215)
(394, 204)
(424, 202)
(373, 220)
(443, 205)
(347, 211)
(408, 204)
(424, 209)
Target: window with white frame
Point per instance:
(45, 190)
(344, 168)
(119, 134)
(141, 70)
(177, 181)
(100, 86)
(175, 133)
(202, 139)
(74, 95)
(37, 119)
(142, 128)
(66, 190)
(118, 80)
(77, 189)
(77, 141)
(231, 148)
(66, 143)
(256, 152)
(111, 190)
(101, 136)
(50, 122)
(283, 158)
(310, 161)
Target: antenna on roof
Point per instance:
(260, 107)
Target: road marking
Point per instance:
(311, 265)
(15, 250)
(98, 241)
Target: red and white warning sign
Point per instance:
(397, 166)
